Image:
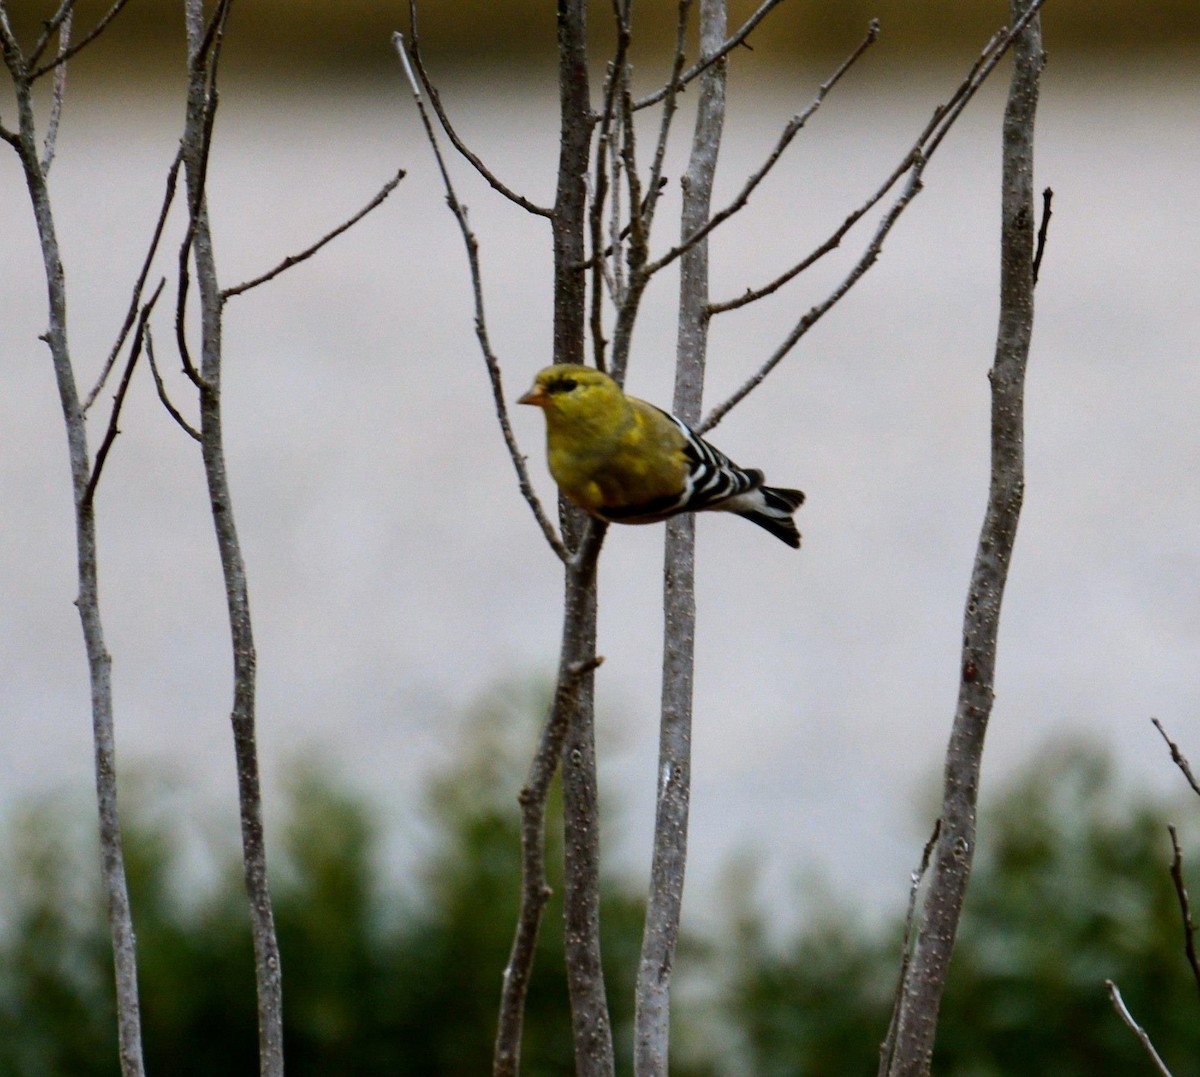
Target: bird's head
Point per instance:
(572, 393)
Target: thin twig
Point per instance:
(161, 387)
(1118, 1003)
(481, 332)
(1043, 231)
(203, 59)
(308, 252)
(1178, 758)
(617, 232)
(60, 89)
(601, 277)
(889, 1041)
(111, 433)
(653, 185)
(75, 50)
(707, 61)
(793, 128)
(604, 276)
(535, 891)
(140, 283)
(753, 295)
(868, 258)
(435, 99)
(1185, 907)
(629, 301)
(65, 9)
(914, 162)
(924, 146)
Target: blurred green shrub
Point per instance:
(402, 977)
(1070, 888)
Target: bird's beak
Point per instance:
(536, 396)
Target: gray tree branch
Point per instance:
(926, 979)
(1178, 758)
(1114, 995)
(590, 1022)
(456, 141)
(204, 44)
(914, 162)
(535, 891)
(707, 59)
(664, 903)
(139, 284)
(914, 887)
(139, 339)
(60, 90)
(112, 859)
(309, 251)
(481, 331)
(65, 54)
(1185, 906)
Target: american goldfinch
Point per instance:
(625, 461)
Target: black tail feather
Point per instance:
(782, 500)
(778, 517)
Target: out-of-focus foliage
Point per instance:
(375, 981)
(1070, 888)
(301, 38)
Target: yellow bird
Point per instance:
(626, 461)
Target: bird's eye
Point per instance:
(566, 385)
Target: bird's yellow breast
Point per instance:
(630, 462)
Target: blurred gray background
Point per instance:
(398, 581)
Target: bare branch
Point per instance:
(914, 162)
(653, 185)
(159, 385)
(435, 99)
(204, 52)
(1118, 1003)
(601, 277)
(617, 233)
(204, 49)
(834, 241)
(535, 891)
(785, 139)
(112, 856)
(629, 296)
(119, 399)
(591, 1025)
(308, 252)
(868, 258)
(60, 89)
(926, 976)
(708, 60)
(660, 935)
(1185, 907)
(65, 10)
(1043, 232)
(1178, 758)
(887, 1048)
(14, 60)
(140, 283)
(481, 332)
(64, 55)
(606, 165)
